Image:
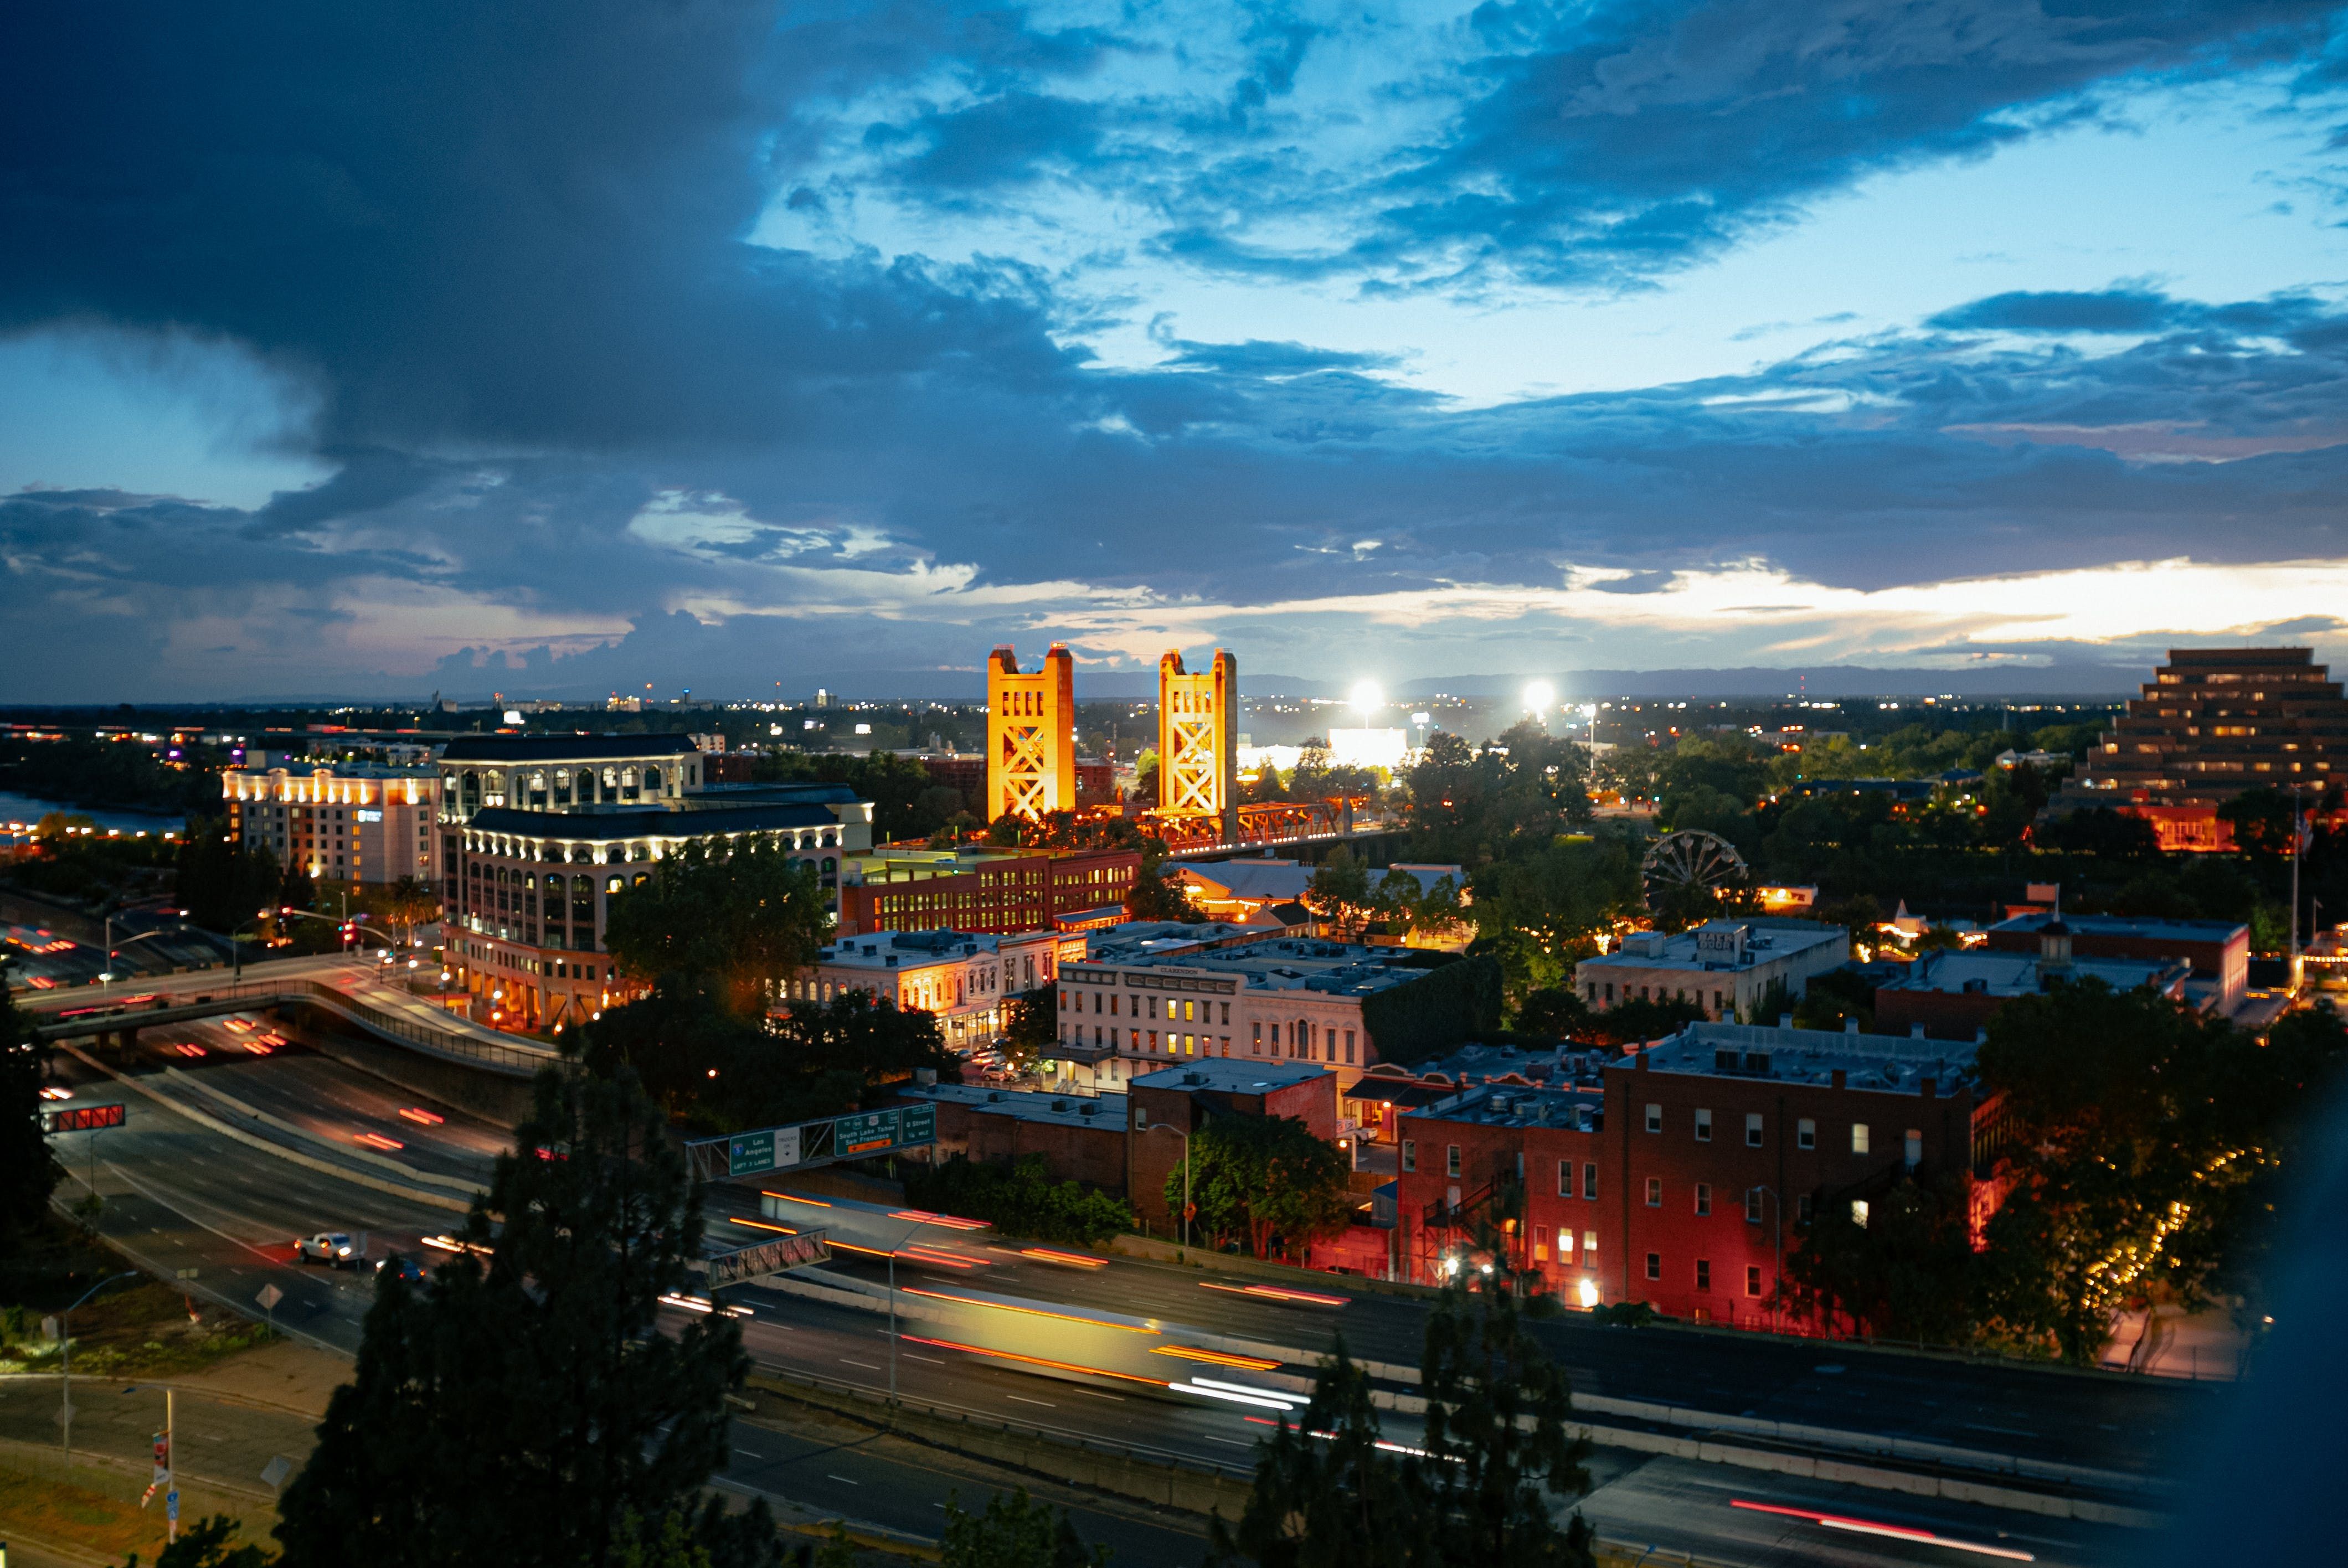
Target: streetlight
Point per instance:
(235, 953)
(65, 1356)
(106, 976)
(1185, 1136)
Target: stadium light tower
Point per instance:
(1367, 696)
(1539, 697)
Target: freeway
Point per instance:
(181, 1194)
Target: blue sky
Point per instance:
(570, 348)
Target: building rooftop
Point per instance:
(1275, 881)
(2132, 926)
(1721, 944)
(807, 793)
(1470, 1064)
(1895, 1062)
(302, 767)
(1226, 1076)
(601, 824)
(1142, 941)
(1510, 1105)
(906, 949)
(1275, 963)
(1026, 1104)
(564, 748)
(1982, 971)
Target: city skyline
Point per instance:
(362, 356)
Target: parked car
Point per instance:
(333, 1248)
(407, 1267)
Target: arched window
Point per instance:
(653, 781)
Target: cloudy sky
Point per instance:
(575, 346)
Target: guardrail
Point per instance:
(515, 1059)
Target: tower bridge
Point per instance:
(1031, 769)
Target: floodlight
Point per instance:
(1541, 697)
(1367, 697)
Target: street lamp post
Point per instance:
(106, 976)
(236, 953)
(65, 1356)
(1185, 1136)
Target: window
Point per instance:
(1753, 1205)
(1859, 1213)
(1753, 1129)
(1590, 1178)
(1703, 1274)
(1704, 1126)
(1802, 1208)
(1655, 1265)
(1349, 1045)
(1188, 1013)
(1655, 1118)
(1565, 1244)
(1227, 1013)
(1752, 1279)
(1858, 1137)
(1589, 1249)
(1540, 1243)
(1805, 1133)
(1451, 1159)
(1565, 1178)
(1654, 1192)
(1703, 1198)
(1410, 1154)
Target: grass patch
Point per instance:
(140, 1329)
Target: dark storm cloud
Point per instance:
(506, 246)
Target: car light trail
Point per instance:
(1275, 1293)
(951, 1221)
(1216, 1357)
(1890, 1531)
(1387, 1444)
(1238, 1394)
(377, 1141)
(1037, 1361)
(1028, 1311)
(702, 1304)
(1071, 1259)
(762, 1226)
(422, 1118)
(790, 1198)
(186, 1050)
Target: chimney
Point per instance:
(1836, 1081)
(1915, 1032)
(1784, 1021)
(1640, 1057)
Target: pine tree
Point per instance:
(522, 1407)
(1326, 1495)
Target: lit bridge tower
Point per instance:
(1198, 741)
(1031, 739)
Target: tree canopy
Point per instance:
(1264, 1179)
(524, 1405)
(747, 914)
(28, 1172)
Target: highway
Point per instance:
(182, 1194)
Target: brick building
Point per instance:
(1952, 995)
(2217, 950)
(979, 889)
(1185, 1098)
(1677, 1175)
(1081, 1138)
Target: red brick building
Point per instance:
(995, 892)
(1185, 1098)
(1082, 1138)
(1679, 1176)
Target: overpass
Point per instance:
(384, 1011)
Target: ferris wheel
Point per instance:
(1691, 858)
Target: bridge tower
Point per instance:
(1031, 735)
(1198, 740)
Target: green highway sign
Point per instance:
(864, 1132)
(749, 1152)
(919, 1124)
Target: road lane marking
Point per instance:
(1025, 1400)
(866, 1364)
(1098, 1394)
(845, 1481)
(933, 1361)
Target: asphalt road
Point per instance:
(179, 1195)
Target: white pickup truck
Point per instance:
(333, 1248)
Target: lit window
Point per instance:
(1654, 1192)
(1858, 1138)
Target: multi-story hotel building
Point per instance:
(354, 823)
(538, 833)
(2211, 723)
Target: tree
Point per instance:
(749, 914)
(722, 1071)
(1326, 1495)
(2262, 820)
(1018, 1198)
(1497, 1408)
(1468, 806)
(223, 882)
(28, 1172)
(1497, 1447)
(1157, 896)
(1031, 1024)
(1339, 892)
(530, 1409)
(1014, 1531)
(1541, 911)
(1908, 1271)
(1264, 1178)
